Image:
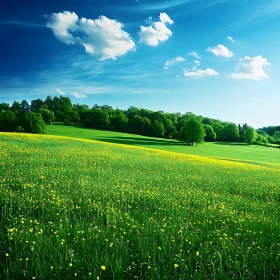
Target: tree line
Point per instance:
(188, 127)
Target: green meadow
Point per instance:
(85, 209)
(233, 151)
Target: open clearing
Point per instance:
(83, 209)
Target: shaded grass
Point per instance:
(69, 208)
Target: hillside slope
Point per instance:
(237, 151)
(79, 208)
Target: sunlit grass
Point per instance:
(83, 209)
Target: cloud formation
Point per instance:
(251, 68)
(157, 32)
(173, 61)
(230, 39)
(78, 95)
(220, 50)
(200, 73)
(102, 37)
(194, 54)
(60, 91)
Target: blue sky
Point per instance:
(216, 58)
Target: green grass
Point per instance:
(79, 209)
(237, 151)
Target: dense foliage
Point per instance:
(187, 127)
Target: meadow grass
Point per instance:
(80, 209)
(238, 151)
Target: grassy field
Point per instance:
(233, 151)
(80, 209)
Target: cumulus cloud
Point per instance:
(157, 32)
(220, 50)
(197, 62)
(165, 18)
(173, 61)
(78, 95)
(194, 54)
(102, 37)
(200, 73)
(230, 39)
(58, 90)
(251, 68)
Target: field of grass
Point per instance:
(80, 209)
(234, 151)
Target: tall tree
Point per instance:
(15, 106)
(24, 107)
(193, 131)
(36, 105)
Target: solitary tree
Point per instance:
(193, 131)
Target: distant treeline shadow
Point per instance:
(139, 141)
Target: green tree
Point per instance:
(15, 106)
(158, 129)
(47, 115)
(8, 122)
(24, 107)
(170, 129)
(250, 135)
(231, 132)
(219, 130)
(36, 105)
(276, 136)
(139, 125)
(210, 133)
(4, 107)
(119, 121)
(33, 123)
(271, 130)
(193, 131)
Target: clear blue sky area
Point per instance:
(217, 58)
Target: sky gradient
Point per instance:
(216, 58)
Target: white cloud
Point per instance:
(220, 50)
(165, 18)
(173, 61)
(197, 62)
(157, 32)
(230, 39)
(78, 95)
(200, 73)
(194, 54)
(60, 91)
(102, 37)
(251, 68)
